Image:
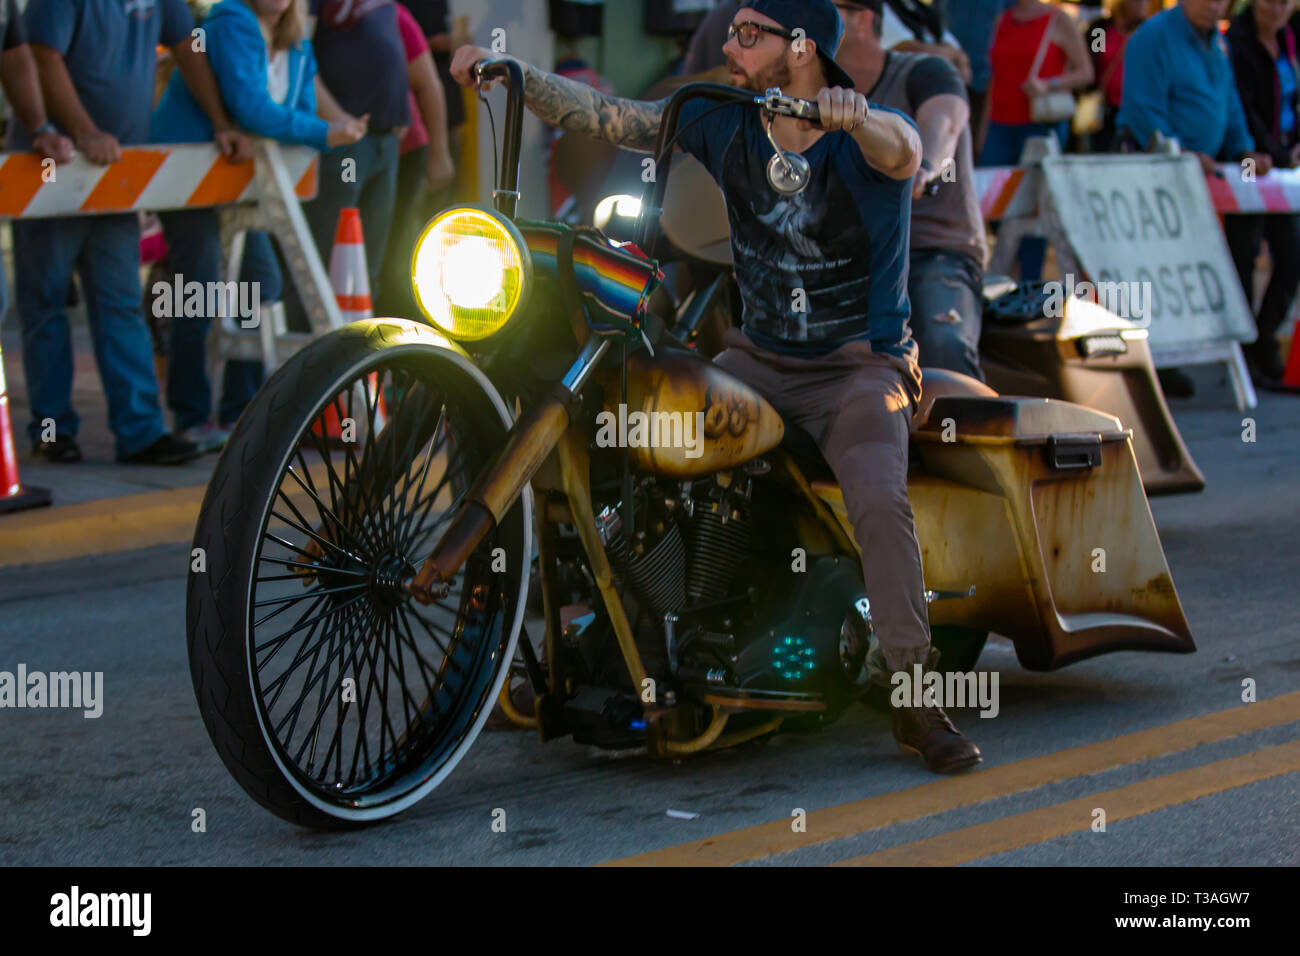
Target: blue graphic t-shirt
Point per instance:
(838, 249)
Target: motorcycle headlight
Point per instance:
(470, 272)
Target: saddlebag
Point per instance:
(1092, 357)
(1039, 505)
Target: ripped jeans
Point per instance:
(946, 289)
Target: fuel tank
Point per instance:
(685, 417)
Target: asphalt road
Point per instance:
(121, 789)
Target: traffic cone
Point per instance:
(350, 280)
(13, 495)
(348, 273)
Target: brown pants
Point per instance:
(858, 406)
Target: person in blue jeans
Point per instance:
(96, 60)
(22, 88)
(266, 71)
(363, 73)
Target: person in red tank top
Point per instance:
(1066, 65)
(1015, 47)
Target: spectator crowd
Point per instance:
(362, 81)
(367, 83)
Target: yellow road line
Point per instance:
(1122, 803)
(112, 525)
(949, 793)
(105, 526)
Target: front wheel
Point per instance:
(332, 697)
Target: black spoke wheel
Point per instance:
(331, 694)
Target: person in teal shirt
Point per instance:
(1178, 81)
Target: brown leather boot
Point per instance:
(927, 731)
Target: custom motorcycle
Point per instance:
(371, 526)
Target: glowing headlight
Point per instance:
(470, 272)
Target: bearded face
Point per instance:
(776, 73)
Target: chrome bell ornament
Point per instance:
(787, 171)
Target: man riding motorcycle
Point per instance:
(823, 275)
(948, 244)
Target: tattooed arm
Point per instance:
(576, 107)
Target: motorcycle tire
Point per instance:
(327, 532)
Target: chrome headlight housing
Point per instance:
(471, 272)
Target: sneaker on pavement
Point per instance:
(207, 437)
(167, 450)
(63, 450)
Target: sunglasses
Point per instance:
(747, 33)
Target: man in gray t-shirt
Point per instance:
(948, 247)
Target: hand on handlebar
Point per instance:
(463, 63)
(839, 109)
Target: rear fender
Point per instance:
(1039, 504)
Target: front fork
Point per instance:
(497, 488)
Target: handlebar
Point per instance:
(773, 101)
(505, 195)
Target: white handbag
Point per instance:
(1056, 105)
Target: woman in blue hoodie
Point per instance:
(266, 70)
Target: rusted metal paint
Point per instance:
(990, 511)
(738, 423)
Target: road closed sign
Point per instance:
(1144, 230)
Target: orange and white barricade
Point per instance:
(153, 178)
(262, 194)
(277, 188)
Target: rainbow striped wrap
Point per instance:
(617, 281)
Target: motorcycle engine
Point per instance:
(691, 542)
(717, 608)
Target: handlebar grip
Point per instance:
(810, 111)
(791, 106)
(486, 66)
